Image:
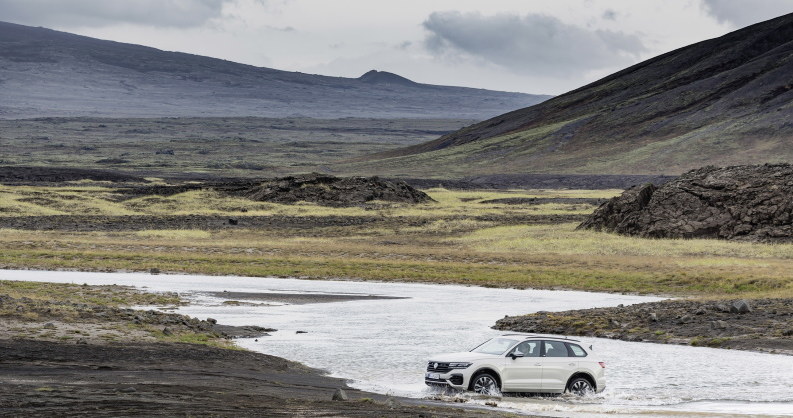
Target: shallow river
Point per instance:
(382, 345)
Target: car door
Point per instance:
(557, 366)
(524, 372)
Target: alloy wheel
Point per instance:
(581, 387)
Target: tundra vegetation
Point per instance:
(463, 237)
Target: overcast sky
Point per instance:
(533, 46)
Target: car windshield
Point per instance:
(496, 346)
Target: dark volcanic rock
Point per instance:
(764, 327)
(334, 191)
(48, 174)
(741, 202)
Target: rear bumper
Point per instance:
(600, 384)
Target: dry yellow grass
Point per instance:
(98, 200)
(564, 239)
(452, 245)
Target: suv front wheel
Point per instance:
(486, 384)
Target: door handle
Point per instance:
(538, 364)
(571, 364)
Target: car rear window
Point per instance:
(555, 349)
(576, 350)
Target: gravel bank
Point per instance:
(764, 325)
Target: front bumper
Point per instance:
(455, 379)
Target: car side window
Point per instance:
(576, 350)
(528, 349)
(554, 349)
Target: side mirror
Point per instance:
(515, 355)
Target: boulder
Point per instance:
(751, 202)
(718, 325)
(740, 307)
(340, 395)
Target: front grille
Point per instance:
(436, 367)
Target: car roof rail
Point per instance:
(527, 335)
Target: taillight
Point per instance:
(602, 364)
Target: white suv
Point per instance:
(520, 363)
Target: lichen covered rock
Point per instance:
(334, 191)
(752, 203)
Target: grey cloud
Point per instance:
(740, 13)
(610, 14)
(71, 13)
(404, 45)
(282, 29)
(532, 44)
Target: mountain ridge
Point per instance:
(722, 101)
(51, 73)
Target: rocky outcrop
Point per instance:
(739, 203)
(334, 191)
(756, 324)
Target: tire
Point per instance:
(485, 384)
(580, 387)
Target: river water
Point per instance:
(382, 345)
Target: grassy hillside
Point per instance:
(722, 101)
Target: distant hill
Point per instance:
(384, 77)
(49, 73)
(723, 101)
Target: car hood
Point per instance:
(461, 356)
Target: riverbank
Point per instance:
(75, 350)
(763, 325)
(45, 379)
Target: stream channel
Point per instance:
(382, 345)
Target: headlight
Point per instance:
(459, 365)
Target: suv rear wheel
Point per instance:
(580, 386)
